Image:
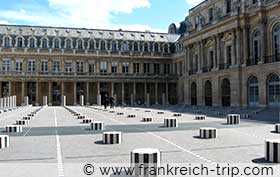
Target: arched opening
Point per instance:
(276, 41)
(253, 91)
(256, 47)
(225, 96)
(208, 93)
(31, 92)
(56, 94)
(273, 86)
(193, 94)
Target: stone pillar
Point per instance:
(63, 100)
(263, 92)
(81, 100)
(156, 93)
(233, 61)
(245, 45)
(62, 88)
(131, 99)
(218, 52)
(26, 101)
(167, 93)
(50, 93)
(163, 99)
(22, 92)
(98, 94)
(75, 93)
(238, 47)
(10, 88)
(145, 91)
(45, 100)
(200, 61)
(112, 89)
(37, 93)
(87, 94)
(263, 42)
(148, 99)
(122, 93)
(216, 91)
(134, 94)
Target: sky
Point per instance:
(137, 15)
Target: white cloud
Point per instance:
(82, 13)
(4, 22)
(194, 2)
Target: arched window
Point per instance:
(19, 42)
(130, 45)
(228, 6)
(80, 44)
(208, 93)
(56, 43)
(273, 90)
(156, 47)
(68, 44)
(256, 47)
(276, 37)
(44, 43)
(226, 91)
(114, 46)
(7, 42)
(97, 44)
(166, 48)
(253, 91)
(193, 94)
(32, 43)
(124, 46)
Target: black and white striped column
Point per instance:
(4, 141)
(272, 150)
(120, 113)
(81, 117)
(27, 118)
(277, 128)
(22, 122)
(87, 120)
(170, 123)
(112, 111)
(112, 137)
(145, 158)
(208, 133)
(177, 115)
(97, 126)
(131, 116)
(200, 117)
(147, 119)
(233, 119)
(160, 112)
(14, 128)
(77, 114)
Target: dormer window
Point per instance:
(80, 44)
(228, 6)
(68, 44)
(6, 42)
(44, 43)
(211, 15)
(32, 43)
(56, 43)
(19, 42)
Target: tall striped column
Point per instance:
(144, 160)
(112, 138)
(170, 123)
(4, 141)
(233, 119)
(81, 100)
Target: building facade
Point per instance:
(225, 53)
(231, 54)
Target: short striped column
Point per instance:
(81, 117)
(87, 121)
(200, 117)
(97, 126)
(22, 122)
(170, 123)
(147, 111)
(277, 128)
(246, 116)
(131, 116)
(233, 119)
(4, 141)
(77, 114)
(208, 133)
(112, 111)
(145, 158)
(177, 115)
(27, 118)
(120, 113)
(112, 137)
(160, 112)
(272, 150)
(14, 128)
(147, 119)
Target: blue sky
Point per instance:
(153, 15)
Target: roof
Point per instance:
(87, 33)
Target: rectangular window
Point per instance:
(91, 68)
(44, 66)
(146, 68)
(18, 66)
(125, 67)
(136, 67)
(6, 65)
(166, 68)
(68, 67)
(103, 67)
(114, 68)
(156, 68)
(31, 66)
(79, 67)
(211, 59)
(56, 66)
(211, 15)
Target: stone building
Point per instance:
(225, 53)
(231, 54)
